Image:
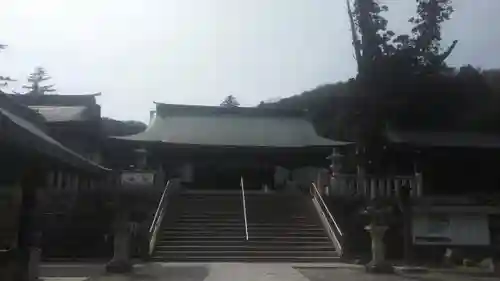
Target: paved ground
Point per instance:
(70, 271)
(237, 272)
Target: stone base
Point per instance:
(412, 270)
(119, 267)
(496, 268)
(379, 268)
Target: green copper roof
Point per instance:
(211, 126)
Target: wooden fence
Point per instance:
(346, 185)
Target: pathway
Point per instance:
(239, 272)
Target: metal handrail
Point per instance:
(323, 205)
(325, 212)
(158, 209)
(244, 208)
(158, 218)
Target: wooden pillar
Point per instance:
(51, 179)
(67, 181)
(76, 185)
(59, 181)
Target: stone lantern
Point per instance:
(124, 201)
(335, 167)
(378, 214)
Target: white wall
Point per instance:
(461, 229)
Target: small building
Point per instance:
(34, 164)
(74, 120)
(454, 184)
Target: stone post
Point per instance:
(378, 263)
(121, 262)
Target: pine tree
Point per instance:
(4, 80)
(230, 101)
(38, 76)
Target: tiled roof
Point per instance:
(240, 127)
(62, 113)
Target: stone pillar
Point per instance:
(378, 263)
(121, 262)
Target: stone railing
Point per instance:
(348, 185)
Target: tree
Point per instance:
(38, 76)
(4, 80)
(111, 127)
(230, 101)
(387, 63)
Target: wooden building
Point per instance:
(213, 147)
(74, 120)
(33, 165)
(453, 181)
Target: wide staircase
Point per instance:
(204, 226)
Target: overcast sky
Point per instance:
(199, 51)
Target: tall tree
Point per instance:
(427, 32)
(391, 67)
(376, 46)
(230, 101)
(35, 79)
(4, 80)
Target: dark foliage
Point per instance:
(4, 80)
(111, 127)
(230, 101)
(466, 99)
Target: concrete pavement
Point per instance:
(238, 272)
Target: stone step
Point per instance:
(256, 247)
(242, 241)
(249, 253)
(242, 238)
(250, 224)
(288, 227)
(210, 228)
(252, 233)
(242, 258)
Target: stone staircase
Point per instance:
(210, 227)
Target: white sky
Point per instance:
(199, 51)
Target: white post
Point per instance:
(388, 183)
(381, 187)
(397, 187)
(419, 184)
(373, 189)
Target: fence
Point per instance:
(345, 185)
